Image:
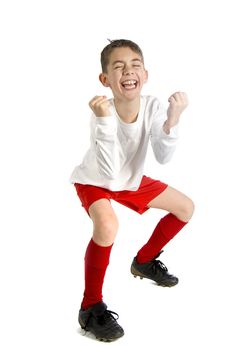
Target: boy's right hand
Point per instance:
(100, 106)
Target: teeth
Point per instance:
(129, 82)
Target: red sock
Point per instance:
(96, 262)
(166, 229)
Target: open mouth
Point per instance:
(129, 84)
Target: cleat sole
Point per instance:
(136, 273)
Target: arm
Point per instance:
(164, 131)
(177, 103)
(104, 136)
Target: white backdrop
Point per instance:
(49, 71)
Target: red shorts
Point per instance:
(135, 200)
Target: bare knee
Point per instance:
(186, 211)
(105, 230)
(105, 222)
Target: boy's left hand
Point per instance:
(177, 103)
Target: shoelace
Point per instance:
(158, 263)
(104, 317)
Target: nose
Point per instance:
(127, 70)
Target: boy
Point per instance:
(121, 129)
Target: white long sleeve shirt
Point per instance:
(116, 157)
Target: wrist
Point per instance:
(103, 114)
(166, 127)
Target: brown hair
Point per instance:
(105, 54)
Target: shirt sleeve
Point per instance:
(106, 145)
(163, 144)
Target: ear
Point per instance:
(145, 76)
(104, 80)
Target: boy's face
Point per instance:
(125, 74)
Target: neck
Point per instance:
(127, 111)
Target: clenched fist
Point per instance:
(177, 103)
(100, 106)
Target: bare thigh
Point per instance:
(174, 202)
(105, 222)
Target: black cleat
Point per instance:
(154, 270)
(101, 322)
